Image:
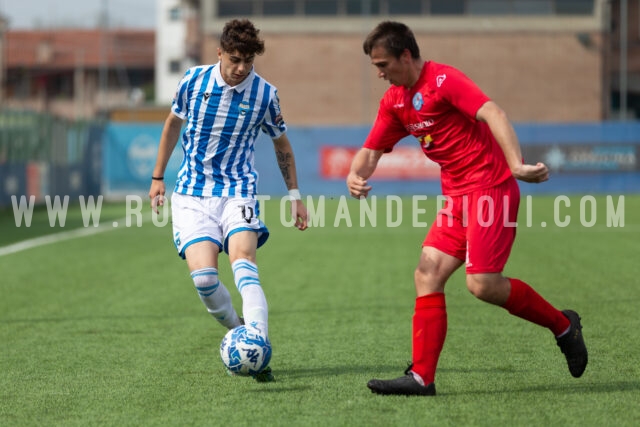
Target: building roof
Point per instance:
(66, 48)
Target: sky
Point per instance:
(46, 14)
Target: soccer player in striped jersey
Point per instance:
(474, 143)
(214, 207)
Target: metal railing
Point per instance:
(42, 155)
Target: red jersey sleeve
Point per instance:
(387, 129)
(462, 92)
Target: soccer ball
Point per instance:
(245, 351)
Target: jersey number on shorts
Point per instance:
(247, 210)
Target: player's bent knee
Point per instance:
(476, 289)
(428, 281)
(486, 287)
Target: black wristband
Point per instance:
(157, 178)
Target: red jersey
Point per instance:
(440, 110)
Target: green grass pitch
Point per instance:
(107, 329)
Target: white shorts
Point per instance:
(214, 219)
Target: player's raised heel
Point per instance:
(573, 346)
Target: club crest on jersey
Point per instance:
(244, 108)
(440, 79)
(417, 101)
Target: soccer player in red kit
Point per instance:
(474, 143)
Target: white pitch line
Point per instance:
(59, 237)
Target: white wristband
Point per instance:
(295, 194)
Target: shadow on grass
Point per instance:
(275, 387)
(98, 317)
(577, 387)
(392, 371)
(335, 371)
(378, 371)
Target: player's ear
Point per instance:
(406, 55)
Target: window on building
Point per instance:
(402, 7)
(533, 7)
(574, 7)
(321, 7)
(446, 7)
(405, 7)
(175, 13)
(235, 7)
(511, 7)
(175, 66)
(279, 7)
(359, 7)
(60, 86)
(490, 7)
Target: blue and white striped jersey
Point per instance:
(223, 123)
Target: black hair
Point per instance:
(242, 36)
(395, 37)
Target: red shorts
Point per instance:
(478, 227)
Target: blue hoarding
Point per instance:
(583, 158)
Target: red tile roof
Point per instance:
(60, 49)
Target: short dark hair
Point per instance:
(242, 36)
(395, 37)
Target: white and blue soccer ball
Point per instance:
(245, 351)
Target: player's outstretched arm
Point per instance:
(362, 167)
(287, 165)
(504, 133)
(168, 141)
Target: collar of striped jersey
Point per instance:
(239, 88)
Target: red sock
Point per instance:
(429, 332)
(526, 303)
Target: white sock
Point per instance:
(566, 331)
(254, 303)
(215, 296)
(418, 378)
